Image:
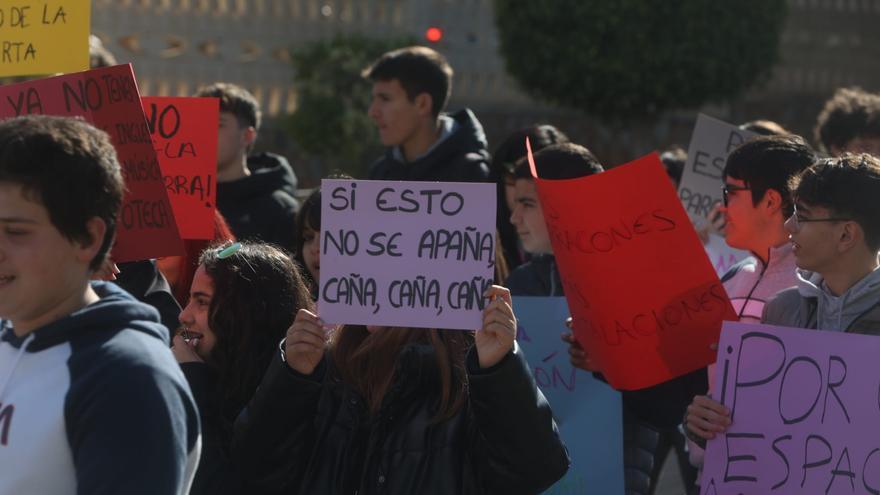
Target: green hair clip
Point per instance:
(229, 251)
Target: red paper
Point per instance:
(108, 98)
(645, 300)
(185, 138)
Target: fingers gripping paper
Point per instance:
(645, 301)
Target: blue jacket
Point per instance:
(94, 403)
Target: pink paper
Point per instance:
(406, 254)
(805, 410)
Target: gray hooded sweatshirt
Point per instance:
(811, 305)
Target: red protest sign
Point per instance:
(185, 139)
(644, 298)
(108, 98)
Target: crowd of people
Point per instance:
(213, 372)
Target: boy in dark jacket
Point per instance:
(540, 276)
(411, 87)
(90, 398)
(256, 194)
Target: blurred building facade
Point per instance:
(178, 45)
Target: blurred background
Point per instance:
(301, 59)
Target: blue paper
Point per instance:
(587, 411)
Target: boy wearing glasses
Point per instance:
(756, 204)
(834, 232)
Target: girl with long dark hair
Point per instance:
(242, 301)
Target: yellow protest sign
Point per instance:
(44, 36)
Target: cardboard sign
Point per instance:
(587, 411)
(44, 37)
(702, 180)
(108, 99)
(186, 145)
(645, 300)
(805, 411)
(406, 254)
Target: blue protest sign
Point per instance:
(587, 411)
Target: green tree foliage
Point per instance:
(330, 121)
(622, 60)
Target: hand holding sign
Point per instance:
(305, 343)
(495, 339)
(706, 417)
(577, 356)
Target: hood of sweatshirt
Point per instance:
(837, 313)
(269, 173)
(462, 142)
(115, 310)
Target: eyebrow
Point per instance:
(525, 200)
(17, 220)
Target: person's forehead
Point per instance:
(803, 207)
(15, 204)
(734, 182)
(387, 86)
(202, 282)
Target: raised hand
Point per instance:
(495, 339)
(305, 342)
(706, 417)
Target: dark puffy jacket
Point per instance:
(262, 206)
(314, 435)
(461, 157)
(216, 474)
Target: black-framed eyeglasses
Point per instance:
(729, 188)
(797, 220)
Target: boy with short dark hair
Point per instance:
(255, 194)
(411, 87)
(539, 276)
(91, 399)
(835, 237)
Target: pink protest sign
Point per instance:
(804, 408)
(406, 254)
